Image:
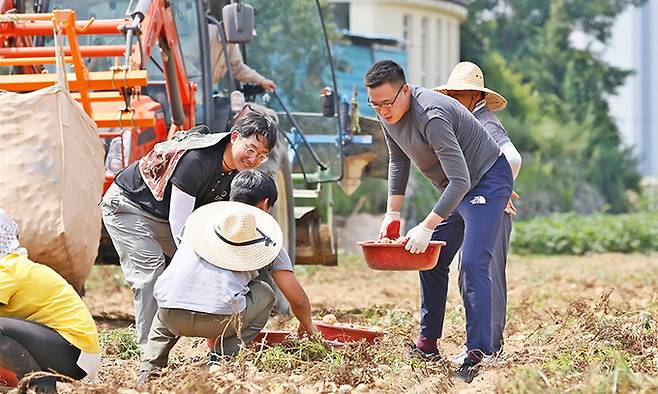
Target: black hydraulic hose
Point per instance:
(157, 65)
(130, 33)
(177, 111)
(297, 156)
(299, 131)
(333, 79)
(205, 85)
(142, 63)
(137, 14)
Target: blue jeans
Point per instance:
(474, 225)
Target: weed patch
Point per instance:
(120, 342)
(594, 342)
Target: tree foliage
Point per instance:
(289, 47)
(557, 91)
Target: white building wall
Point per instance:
(443, 19)
(634, 46)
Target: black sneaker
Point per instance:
(215, 358)
(468, 370)
(427, 356)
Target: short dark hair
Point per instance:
(384, 71)
(259, 124)
(253, 186)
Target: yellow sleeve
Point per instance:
(7, 287)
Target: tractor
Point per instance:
(142, 70)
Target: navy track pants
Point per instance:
(474, 225)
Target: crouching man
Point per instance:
(210, 288)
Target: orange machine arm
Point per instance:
(159, 27)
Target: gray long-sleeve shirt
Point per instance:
(447, 144)
(499, 134)
(493, 126)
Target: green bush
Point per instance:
(575, 234)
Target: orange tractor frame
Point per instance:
(111, 98)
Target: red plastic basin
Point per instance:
(347, 334)
(271, 337)
(7, 378)
(393, 257)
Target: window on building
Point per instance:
(341, 12)
(425, 47)
(438, 50)
(406, 30)
(449, 45)
(407, 34)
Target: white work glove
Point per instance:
(418, 238)
(389, 217)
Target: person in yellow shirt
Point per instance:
(44, 325)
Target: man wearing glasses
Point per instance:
(452, 149)
(144, 210)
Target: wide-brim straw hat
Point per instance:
(234, 236)
(468, 76)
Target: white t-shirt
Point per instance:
(193, 284)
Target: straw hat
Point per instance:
(468, 76)
(233, 235)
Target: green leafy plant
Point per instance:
(120, 342)
(576, 235)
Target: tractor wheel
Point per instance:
(284, 213)
(284, 209)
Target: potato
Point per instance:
(385, 241)
(329, 319)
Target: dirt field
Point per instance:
(583, 324)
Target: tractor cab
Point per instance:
(286, 42)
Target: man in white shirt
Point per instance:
(210, 288)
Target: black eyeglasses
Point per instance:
(385, 105)
(251, 153)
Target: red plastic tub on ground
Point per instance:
(393, 257)
(271, 337)
(341, 333)
(7, 378)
